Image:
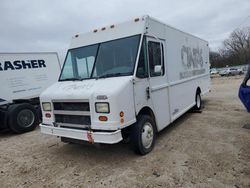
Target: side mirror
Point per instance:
(157, 69)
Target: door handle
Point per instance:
(148, 93)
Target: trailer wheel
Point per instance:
(22, 118)
(198, 101)
(142, 135)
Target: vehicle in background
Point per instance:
(214, 71)
(244, 91)
(231, 72)
(128, 80)
(23, 76)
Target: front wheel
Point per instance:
(142, 135)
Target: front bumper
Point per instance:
(90, 136)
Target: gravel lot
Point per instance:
(208, 149)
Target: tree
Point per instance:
(237, 46)
(215, 59)
(235, 50)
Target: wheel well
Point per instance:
(147, 111)
(198, 90)
(144, 111)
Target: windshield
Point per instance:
(113, 58)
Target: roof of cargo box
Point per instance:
(110, 32)
(116, 31)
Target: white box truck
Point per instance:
(129, 80)
(23, 76)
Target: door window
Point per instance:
(156, 61)
(142, 69)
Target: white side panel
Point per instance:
(182, 95)
(26, 75)
(188, 69)
(187, 62)
(187, 56)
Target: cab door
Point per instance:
(158, 82)
(141, 81)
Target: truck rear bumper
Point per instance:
(90, 136)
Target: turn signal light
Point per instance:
(122, 120)
(103, 118)
(48, 115)
(121, 114)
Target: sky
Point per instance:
(48, 25)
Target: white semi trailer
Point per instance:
(126, 80)
(23, 76)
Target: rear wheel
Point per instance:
(142, 135)
(22, 118)
(198, 101)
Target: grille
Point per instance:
(73, 119)
(72, 114)
(71, 106)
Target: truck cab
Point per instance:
(114, 84)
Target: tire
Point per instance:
(198, 101)
(22, 118)
(142, 135)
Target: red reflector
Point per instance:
(47, 115)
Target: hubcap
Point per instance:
(198, 101)
(25, 118)
(147, 135)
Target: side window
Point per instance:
(142, 69)
(156, 58)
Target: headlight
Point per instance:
(46, 106)
(102, 107)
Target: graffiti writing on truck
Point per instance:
(192, 61)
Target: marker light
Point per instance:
(136, 19)
(46, 106)
(122, 120)
(103, 118)
(121, 114)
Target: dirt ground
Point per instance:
(208, 149)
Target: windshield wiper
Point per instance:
(113, 75)
(71, 79)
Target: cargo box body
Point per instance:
(26, 75)
(23, 76)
